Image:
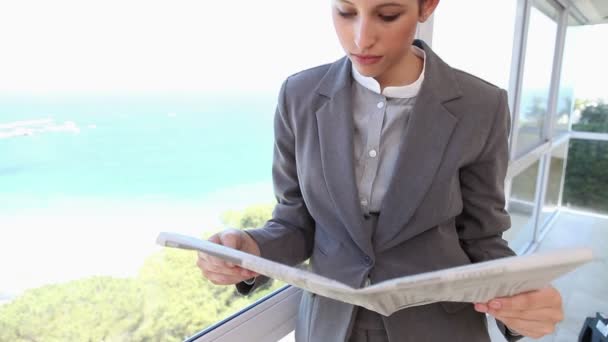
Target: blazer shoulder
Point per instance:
(299, 91)
(473, 85)
(481, 101)
(306, 80)
(482, 105)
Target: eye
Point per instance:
(346, 14)
(389, 18)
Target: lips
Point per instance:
(366, 59)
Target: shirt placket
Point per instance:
(372, 154)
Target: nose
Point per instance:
(364, 34)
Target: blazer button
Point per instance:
(367, 260)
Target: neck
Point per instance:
(404, 73)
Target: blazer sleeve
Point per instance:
(288, 236)
(484, 218)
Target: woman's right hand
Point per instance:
(220, 272)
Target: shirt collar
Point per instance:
(406, 91)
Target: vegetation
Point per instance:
(586, 183)
(168, 301)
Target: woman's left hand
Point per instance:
(532, 314)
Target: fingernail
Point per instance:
(481, 307)
(495, 305)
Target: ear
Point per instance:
(427, 9)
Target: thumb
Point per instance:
(231, 239)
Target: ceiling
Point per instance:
(594, 11)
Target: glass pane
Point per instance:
(86, 191)
(554, 182)
(111, 133)
(536, 80)
(586, 183)
(584, 69)
(592, 117)
(565, 99)
(521, 208)
(493, 62)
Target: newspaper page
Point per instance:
(477, 282)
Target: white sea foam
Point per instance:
(22, 123)
(32, 127)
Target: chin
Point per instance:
(367, 70)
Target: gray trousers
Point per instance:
(368, 327)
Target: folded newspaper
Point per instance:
(478, 282)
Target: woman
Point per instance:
(387, 163)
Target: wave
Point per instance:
(31, 127)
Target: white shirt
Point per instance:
(406, 91)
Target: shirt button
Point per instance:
(373, 153)
(367, 260)
(380, 105)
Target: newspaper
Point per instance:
(478, 282)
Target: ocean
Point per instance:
(175, 148)
(85, 176)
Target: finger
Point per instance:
(206, 259)
(481, 307)
(545, 298)
(215, 238)
(222, 279)
(525, 332)
(229, 271)
(231, 239)
(541, 315)
(532, 328)
(220, 266)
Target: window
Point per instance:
(586, 184)
(565, 99)
(589, 81)
(456, 40)
(521, 205)
(538, 66)
(555, 181)
(121, 119)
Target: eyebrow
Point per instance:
(387, 4)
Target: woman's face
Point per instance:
(377, 34)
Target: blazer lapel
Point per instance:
(335, 125)
(421, 152)
(422, 149)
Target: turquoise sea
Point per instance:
(86, 183)
(131, 147)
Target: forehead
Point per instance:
(377, 3)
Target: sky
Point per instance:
(120, 46)
(489, 40)
(149, 46)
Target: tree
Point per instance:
(168, 300)
(586, 182)
(92, 309)
(251, 217)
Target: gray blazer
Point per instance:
(445, 205)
